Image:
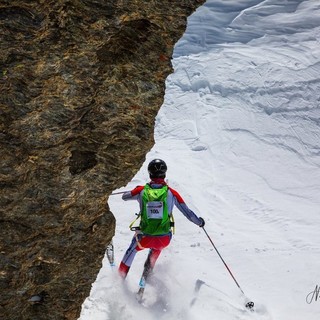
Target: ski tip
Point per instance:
(139, 297)
(198, 285)
(199, 282)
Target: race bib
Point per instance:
(155, 209)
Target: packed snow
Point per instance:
(239, 131)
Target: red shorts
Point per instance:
(153, 242)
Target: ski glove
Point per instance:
(202, 223)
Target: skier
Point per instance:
(156, 201)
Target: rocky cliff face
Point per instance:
(81, 82)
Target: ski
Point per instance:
(140, 292)
(197, 287)
(143, 280)
(110, 253)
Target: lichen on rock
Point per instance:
(81, 82)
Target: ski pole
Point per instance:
(115, 193)
(249, 304)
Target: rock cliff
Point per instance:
(81, 82)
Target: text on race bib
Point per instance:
(155, 209)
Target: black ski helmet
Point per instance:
(157, 168)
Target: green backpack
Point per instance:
(155, 219)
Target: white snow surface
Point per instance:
(239, 131)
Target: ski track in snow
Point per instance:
(239, 130)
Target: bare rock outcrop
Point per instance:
(81, 82)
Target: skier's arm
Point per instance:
(133, 194)
(187, 212)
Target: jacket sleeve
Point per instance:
(133, 194)
(181, 205)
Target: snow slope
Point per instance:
(239, 130)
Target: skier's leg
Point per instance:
(140, 242)
(128, 258)
(156, 244)
(154, 255)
